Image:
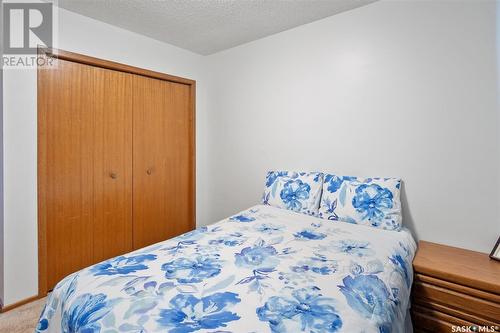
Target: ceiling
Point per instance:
(208, 26)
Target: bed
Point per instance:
(264, 269)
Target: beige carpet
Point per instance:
(22, 319)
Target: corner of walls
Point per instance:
(203, 151)
(498, 100)
(1, 165)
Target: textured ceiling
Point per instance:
(208, 26)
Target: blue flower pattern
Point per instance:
(353, 247)
(318, 264)
(270, 229)
(189, 314)
(368, 201)
(123, 265)
(234, 239)
(334, 182)
(309, 234)
(192, 270)
(293, 193)
(283, 272)
(369, 296)
(242, 218)
(297, 191)
(257, 257)
(401, 264)
(272, 176)
(84, 314)
(305, 311)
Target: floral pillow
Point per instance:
(369, 201)
(297, 191)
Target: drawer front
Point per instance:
(488, 312)
(444, 309)
(428, 320)
(495, 298)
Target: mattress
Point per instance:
(264, 269)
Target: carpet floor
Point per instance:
(22, 319)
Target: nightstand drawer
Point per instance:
(454, 287)
(429, 320)
(453, 302)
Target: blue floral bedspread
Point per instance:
(263, 270)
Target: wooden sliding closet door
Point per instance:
(163, 160)
(65, 167)
(116, 161)
(84, 165)
(112, 104)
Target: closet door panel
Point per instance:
(162, 206)
(112, 104)
(65, 167)
(179, 162)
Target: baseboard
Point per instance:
(21, 302)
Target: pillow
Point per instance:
(368, 201)
(297, 191)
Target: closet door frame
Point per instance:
(96, 62)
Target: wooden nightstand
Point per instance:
(454, 287)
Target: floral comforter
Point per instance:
(263, 270)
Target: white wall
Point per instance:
(83, 35)
(403, 89)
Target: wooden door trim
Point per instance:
(41, 209)
(96, 62)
